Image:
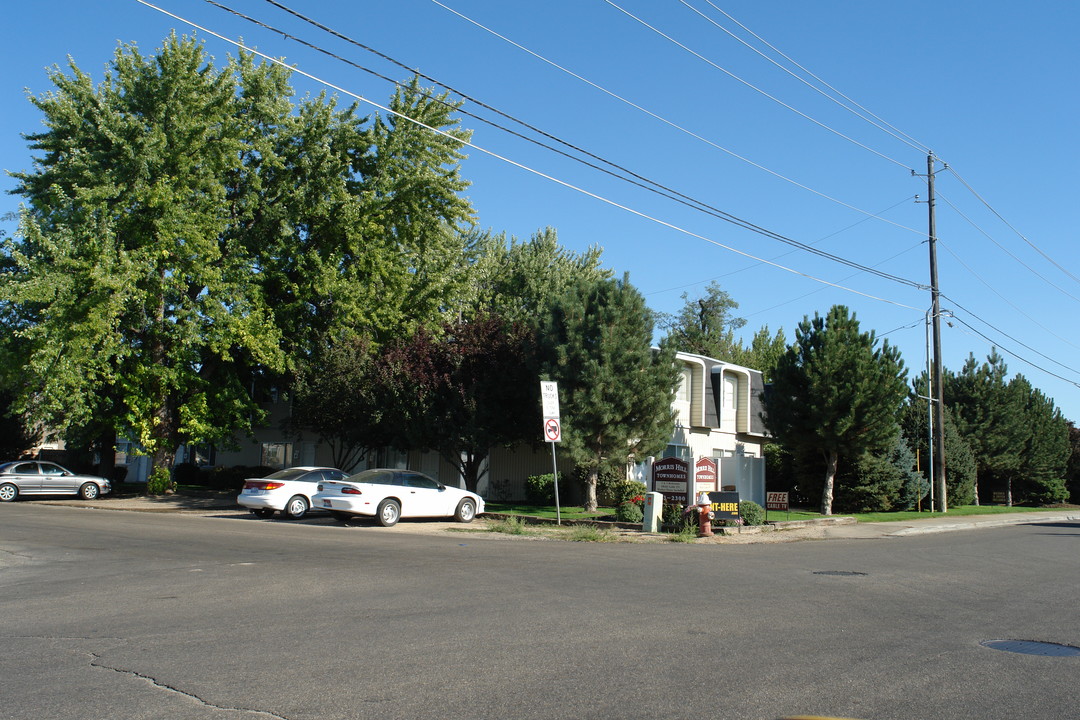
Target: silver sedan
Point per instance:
(37, 477)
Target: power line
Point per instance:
(756, 89)
(668, 192)
(1010, 226)
(666, 121)
(883, 126)
(521, 166)
(1011, 304)
(1005, 250)
(1015, 355)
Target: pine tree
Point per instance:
(836, 393)
(615, 391)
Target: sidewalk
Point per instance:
(836, 527)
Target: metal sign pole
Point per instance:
(549, 397)
(555, 474)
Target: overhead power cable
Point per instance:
(519, 165)
(1011, 227)
(755, 88)
(1019, 357)
(1005, 250)
(668, 122)
(1002, 296)
(645, 183)
(876, 120)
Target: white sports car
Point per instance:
(389, 495)
(287, 491)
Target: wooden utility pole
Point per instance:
(938, 404)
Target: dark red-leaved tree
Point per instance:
(461, 393)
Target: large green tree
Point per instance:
(134, 287)
(519, 280)
(615, 390)
(835, 393)
(705, 325)
(190, 233)
(1019, 439)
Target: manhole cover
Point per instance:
(1029, 647)
(838, 572)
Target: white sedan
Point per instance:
(287, 491)
(389, 495)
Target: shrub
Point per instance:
(613, 492)
(540, 489)
(629, 512)
(751, 513)
(674, 518)
(159, 482)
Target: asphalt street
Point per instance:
(107, 614)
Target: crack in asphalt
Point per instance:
(96, 662)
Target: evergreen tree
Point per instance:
(615, 391)
(960, 464)
(705, 325)
(988, 416)
(836, 393)
(764, 352)
(1019, 439)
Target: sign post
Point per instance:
(549, 398)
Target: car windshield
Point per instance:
(287, 474)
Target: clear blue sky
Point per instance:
(989, 86)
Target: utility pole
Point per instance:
(938, 405)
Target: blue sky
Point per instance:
(665, 91)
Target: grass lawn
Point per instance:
(567, 512)
(578, 513)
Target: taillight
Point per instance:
(262, 485)
(350, 491)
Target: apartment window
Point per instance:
(677, 451)
(277, 455)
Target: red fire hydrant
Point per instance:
(705, 516)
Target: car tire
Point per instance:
(8, 492)
(263, 512)
(389, 513)
(89, 491)
(296, 508)
(466, 511)
(340, 516)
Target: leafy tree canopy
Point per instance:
(190, 231)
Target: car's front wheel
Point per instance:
(8, 492)
(389, 513)
(89, 491)
(296, 508)
(466, 511)
(263, 512)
